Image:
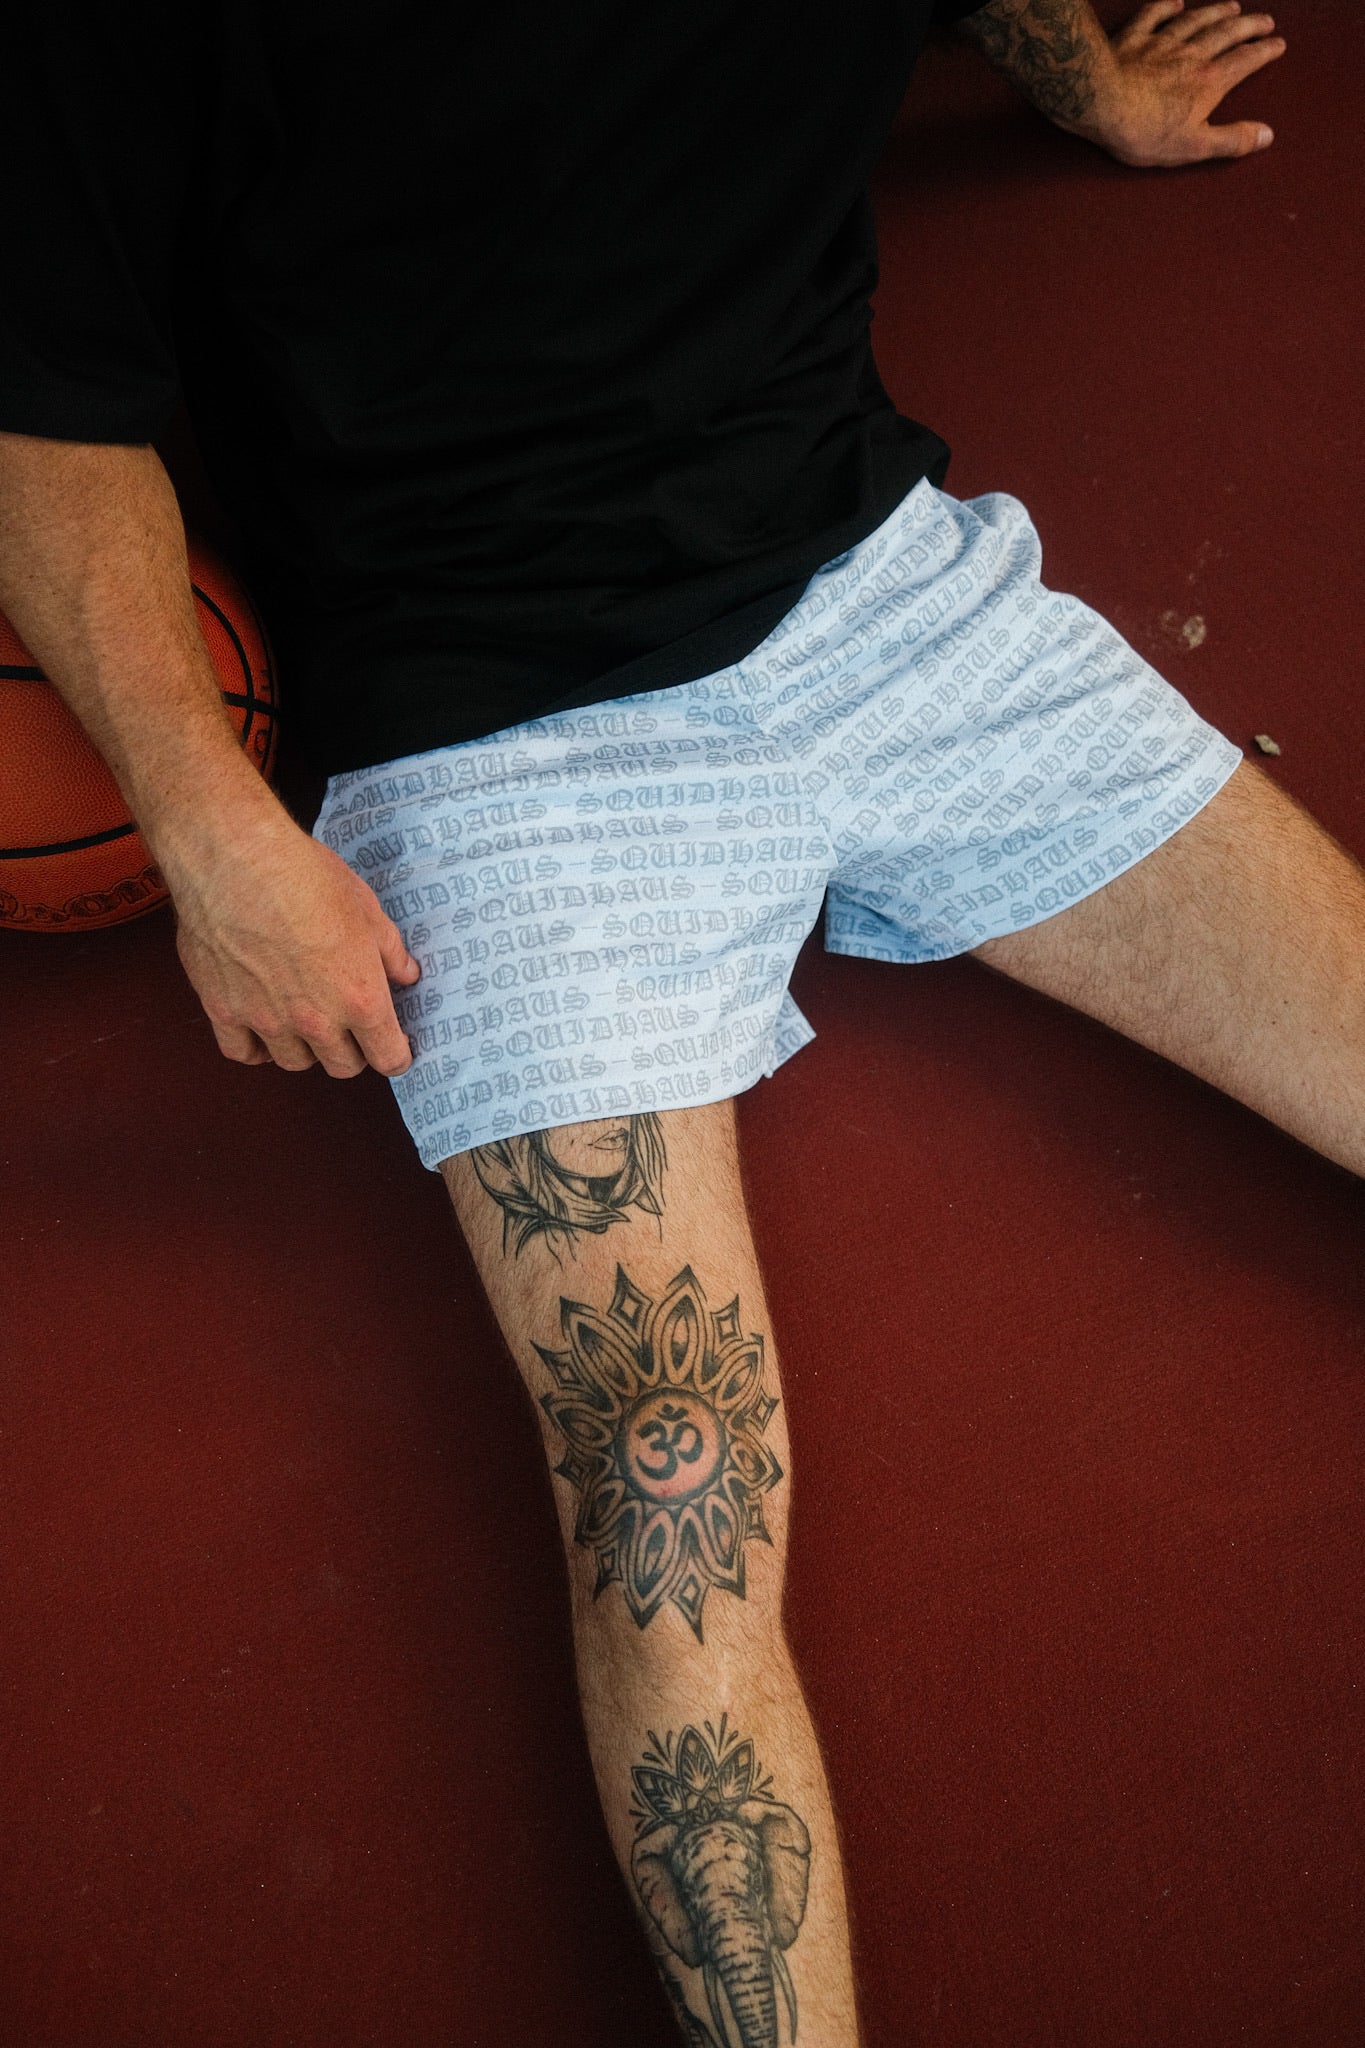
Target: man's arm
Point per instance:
(1145, 93)
(290, 953)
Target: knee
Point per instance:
(664, 1432)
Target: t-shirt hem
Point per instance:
(717, 645)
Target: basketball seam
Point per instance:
(251, 703)
(67, 845)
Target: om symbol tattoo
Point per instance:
(662, 1408)
(664, 1433)
(674, 1444)
(673, 1447)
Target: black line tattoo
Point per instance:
(722, 1870)
(1041, 46)
(663, 1408)
(573, 1178)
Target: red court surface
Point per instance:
(1073, 1347)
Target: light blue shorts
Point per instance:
(607, 903)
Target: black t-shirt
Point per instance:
(528, 345)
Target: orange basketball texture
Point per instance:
(71, 858)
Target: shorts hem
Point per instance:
(1232, 757)
(790, 1034)
(702, 1100)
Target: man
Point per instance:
(611, 437)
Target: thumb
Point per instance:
(1239, 138)
(399, 964)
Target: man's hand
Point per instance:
(290, 952)
(1145, 93)
(1172, 66)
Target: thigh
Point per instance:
(1236, 948)
(617, 1257)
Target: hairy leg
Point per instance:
(618, 1260)
(1237, 948)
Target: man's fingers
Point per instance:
(373, 1018)
(399, 964)
(1237, 138)
(340, 1055)
(385, 1047)
(1199, 19)
(288, 1052)
(343, 1054)
(383, 1040)
(1236, 65)
(1152, 15)
(235, 1042)
(344, 1035)
(1248, 28)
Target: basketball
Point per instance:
(71, 857)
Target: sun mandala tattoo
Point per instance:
(663, 1408)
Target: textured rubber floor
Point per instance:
(1073, 1347)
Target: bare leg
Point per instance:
(618, 1261)
(1236, 949)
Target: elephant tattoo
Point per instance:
(722, 1869)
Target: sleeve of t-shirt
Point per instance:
(93, 178)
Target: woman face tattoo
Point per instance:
(597, 1150)
(570, 1179)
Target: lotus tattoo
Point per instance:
(722, 1869)
(663, 1408)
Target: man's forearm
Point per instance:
(1054, 51)
(94, 577)
(288, 949)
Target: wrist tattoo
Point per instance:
(662, 1407)
(1041, 44)
(573, 1179)
(722, 1870)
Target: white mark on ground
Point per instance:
(103, 1039)
(1205, 553)
(1193, 631)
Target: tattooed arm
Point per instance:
(1145, 93)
